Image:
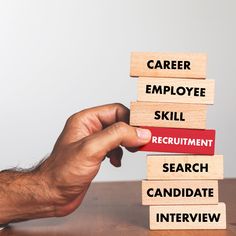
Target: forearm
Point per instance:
(58, 185)
(23, 196)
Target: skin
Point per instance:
(57, 186)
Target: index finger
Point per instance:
(92, 120)
(107, 114)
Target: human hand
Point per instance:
(88, 137)
(57, 186)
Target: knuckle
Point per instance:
(120, 106)
(120, 127)
(117, 104)
(76, 117)
(73, 118)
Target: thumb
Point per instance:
(96, 146)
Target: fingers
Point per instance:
(106, 115)
(96, 146)
(111, 113)
(92, 120)
(115, 156)
(132, 149)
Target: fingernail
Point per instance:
(143, 133)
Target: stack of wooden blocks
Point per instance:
(173, 94)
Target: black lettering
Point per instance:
(164, 217)
(197, 193)
(157, 89)
(202, 167)
(158, 193)
(172, 91)
(178, 217)
(179, 92)
(148, 88)
(180, 65)
(165, 167)
(188, 217)
(172, 167)
(202, 92)
(194, 217)
(149, 64)
(187, 65)
(172, 215)
(211, 192)
(167, 65)
(182, 116)
(214, 217)
(188, 167)
(189, 192)
(173, 65)
(179, 168)
(165, 115)
(166, 89)
(189, 90)
(149, 192)
(185, 217)
(196, 92)
(157, 115)
(158, 64)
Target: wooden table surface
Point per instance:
(114, 208)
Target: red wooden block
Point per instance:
(181, 141)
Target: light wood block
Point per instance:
(176, 90)
(179, 192)
(155, 64)
(164, 167)
(179, 115)
(188, 217)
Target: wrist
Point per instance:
(24, 195)
(67, 192)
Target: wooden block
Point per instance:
(175, 115)
(179, 192)
(190, 217)
(181, 141)
(182, 65)
(164, 167)
(176, 90)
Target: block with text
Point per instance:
(164, 167)
(179, 192)
(175, 115)
(155, 64)
(188, 217)
(181, 141)
(176, 90)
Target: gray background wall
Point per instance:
(58, 57)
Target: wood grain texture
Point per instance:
(143, 114)
(115, 208)
(176, 90)
(153, 192)
(192, 209)
(139, 61)
(194, 166)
